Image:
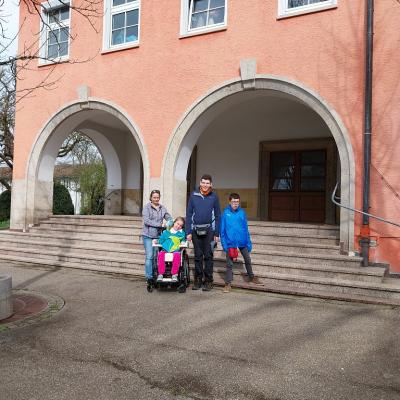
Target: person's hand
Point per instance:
(154, 241)
(216, 239)
(189, 237)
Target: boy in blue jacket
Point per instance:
(234, 233)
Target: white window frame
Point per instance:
(109, 11)
(186, 16)
(48, 6)
(284, 11)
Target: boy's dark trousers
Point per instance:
(247, 263)
(202, 250)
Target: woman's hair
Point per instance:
(180, 219)
(154, 192)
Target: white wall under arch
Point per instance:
(202, 112)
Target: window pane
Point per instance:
(53, 16)
(313, 185)
(217, 3)
(132, 17)
(118, 21)
(52, 51)
(64, 13)
(313, 157)
(300, 3)
(200, 5)
(198, 20)
(54, 36)
(118, 2)
(63, 49)
(313, 170)
(282, 158)
(286, 171)
(64, 33)
(132, 34)
(282, 184)
(117, 37)
(216, 16)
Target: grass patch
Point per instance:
(4, 224)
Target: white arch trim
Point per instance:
(28, 203)
(176, 156)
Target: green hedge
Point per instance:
(5, 205)
(62, 202)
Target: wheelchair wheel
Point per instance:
(155, 265)
(185, 270)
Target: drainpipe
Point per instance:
(365, 229)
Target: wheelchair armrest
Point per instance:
(156, 245)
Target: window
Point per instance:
(288, 8)
(200, 16)
(55, 32)
(121, 24)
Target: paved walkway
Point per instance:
(113, 340)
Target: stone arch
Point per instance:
(197, 116)
(31, 197)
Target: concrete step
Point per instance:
(309, 259)
(294, 229)
(96, 219)
(341, 286)
(266, 229)
(369, 274)
(300, 248)
(125, 257)
(39, 245)
(89, 234)
(76, 256)
(369, 293)
(89, 227)
(293, 291)
(295, 239)
(134, 271)
(66, 239)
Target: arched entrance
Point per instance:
(118, 140)
(292, 113)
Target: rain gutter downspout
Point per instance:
(365, 229)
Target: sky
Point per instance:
(9, 12)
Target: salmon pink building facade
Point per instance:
(266, 96)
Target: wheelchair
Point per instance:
(183, 280)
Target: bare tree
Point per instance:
(49, 35)
(11, 66)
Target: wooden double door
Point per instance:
(296, 180)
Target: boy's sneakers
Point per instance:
(160, 278)
(174, 278)
(227, 288)
(207, 286)
(254, 279)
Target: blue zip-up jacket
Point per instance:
(234, 229)
(203, 210)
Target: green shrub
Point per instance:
(5, 205)
(62, 202)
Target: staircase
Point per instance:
(287, 258)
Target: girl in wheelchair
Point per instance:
(170, 241)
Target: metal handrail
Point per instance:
(333, 197)
(386, 182)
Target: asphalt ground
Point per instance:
(113, 340)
